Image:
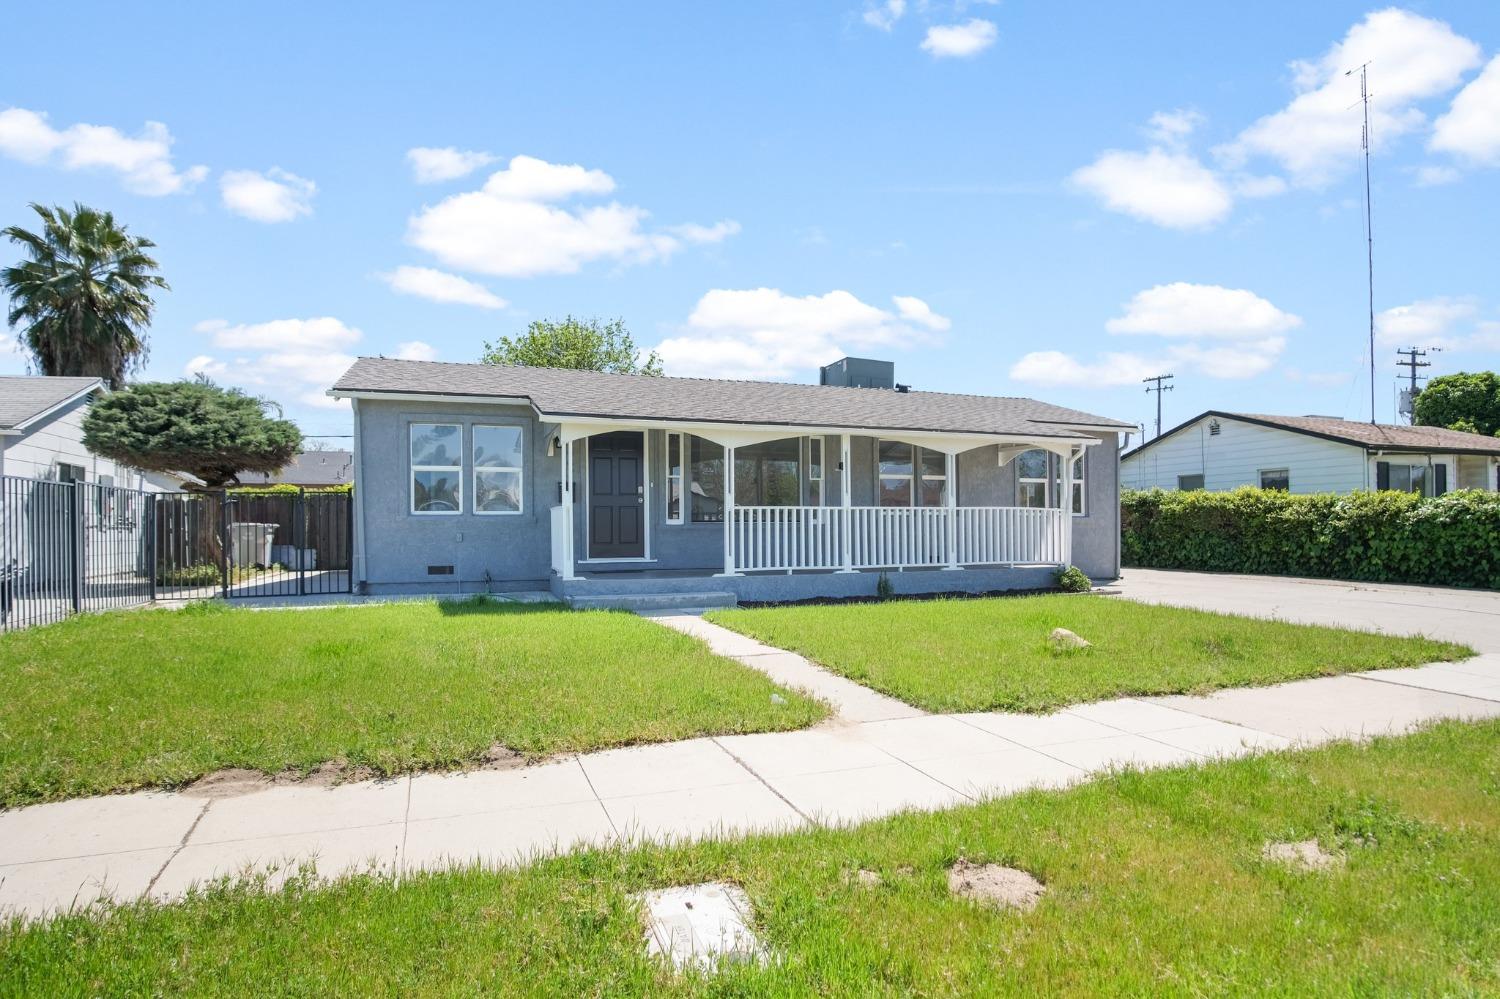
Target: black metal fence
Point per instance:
(72, 547)
(67, 547)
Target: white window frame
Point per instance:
(476, 469)
(1078, 480)
(1260, 476)
(412, 469)
(911, 479)
(680, 478)
(1045, 479)
(920, 476)
(815, 456)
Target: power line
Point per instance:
(1158, 388)
(1411, 360)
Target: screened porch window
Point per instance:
(1032, 481)
(706, 490)
(769, 474)
(912, 476)
(815, 471)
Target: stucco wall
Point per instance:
(515, 550)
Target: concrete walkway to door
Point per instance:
(879, 756)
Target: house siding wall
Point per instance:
(515, 550)
(1235, 456)
(58, 439)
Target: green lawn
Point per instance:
(994, 654)
(125, 700)
(1155, 886)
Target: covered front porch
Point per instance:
(695, 505)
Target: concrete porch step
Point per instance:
(651, 601)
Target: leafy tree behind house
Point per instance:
(196, 427)
(574, 343)
(1468, 401)
(82, 298)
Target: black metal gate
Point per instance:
(253, 544)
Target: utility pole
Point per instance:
(1411, 360)
(1155, 384)
(1364, 98)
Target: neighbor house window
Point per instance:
(706, 489)
(1190, 483)
(815, 471)
(1033, 484)
(1076, 491)
(768, 474)
(71, 473)
(498, 460)
(1403, 478)
(674, 478)
(1276, 478)
(437, 472)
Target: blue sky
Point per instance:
(1012, 198)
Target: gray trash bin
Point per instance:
(250, 544)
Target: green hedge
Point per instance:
(1390, 537)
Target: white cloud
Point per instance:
(430, 166)
(765, 333)
(512, 227)
(1444, 322)
(144, 162)
(959, 41)
(322, 333)
(1226, 333)
(883, 16)
(11, 356)
(1055, 369)
(1471, 127)
(919, 312)
(416, 350)
(205, 364)
(1316, 136)
(1168, 188)
(440, 286)
(1435, 176)
(1172, 128)
(273, 196)
(1181, 309)
(1319, 379)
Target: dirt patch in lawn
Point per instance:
(995, 885)
(229, 783)
(500, 757)
(1305, 855)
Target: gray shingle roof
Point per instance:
(560, 392)
(1372, 436)
(310, 468)
(24, 397)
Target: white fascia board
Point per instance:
(481, 400)
(578, 426)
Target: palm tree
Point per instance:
(83, 300)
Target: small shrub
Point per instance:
(1072, 580)
(202, 574)
(884, 588)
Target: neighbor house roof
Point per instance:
(557, 392)
(25, 398)
(1370, 436)
(310, 468)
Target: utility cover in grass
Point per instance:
(995, 885)
(701, 925)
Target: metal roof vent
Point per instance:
(1214, 428)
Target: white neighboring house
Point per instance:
(1311, 454)
(41, 436)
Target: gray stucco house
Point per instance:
(606, 487)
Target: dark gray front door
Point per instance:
(617, 500)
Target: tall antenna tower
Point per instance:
(1364, 141)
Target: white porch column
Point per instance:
(950, 501)
(846, 505)
(729, 512)
(1065, 504)
(567, 505)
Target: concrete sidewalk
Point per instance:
(878, 757)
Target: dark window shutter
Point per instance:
(1439, 479)
(1382, 475)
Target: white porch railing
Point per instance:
(787, 538)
